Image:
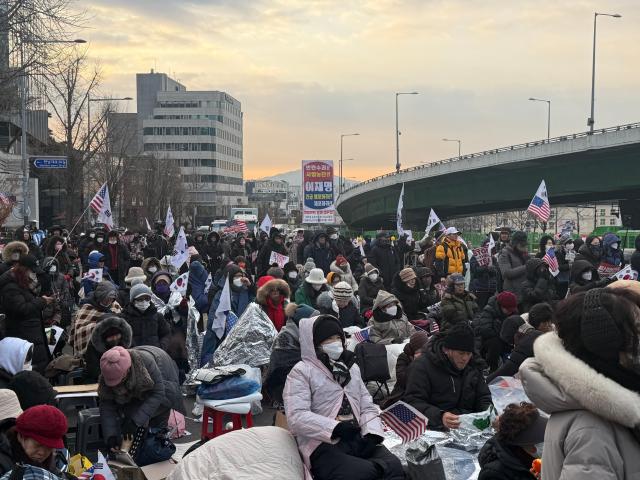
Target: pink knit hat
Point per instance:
(114, 365)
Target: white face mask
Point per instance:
(113, 241)
(92, 235)
(587, 275)
(333, 350)
(548, 247)
(614, 246)
(334, 236)
(373, 277)
(293, 275)
(334, 307)
(237, 282)
(153, 269)
(391, 310)
(316, 286)
(33, 276)
(99, 239)
(53, 269)
(142, 305)
(568, 247)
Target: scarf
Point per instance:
(276, 313)
(340, 372)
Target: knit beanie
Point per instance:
(407, 274)
(508, 301)
(43, 423)
(114, 365)
(383, 299)
(459, 337)
(309, 265)
(599, 332)
(416, 342)
(138, 291)
(9, 404)
(341, 261)
(104, 290)
(369, 268)
(276, 272)
(539, 313)
(342, 291)
(324, 327)
(304, 311)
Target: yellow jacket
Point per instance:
(450, 257)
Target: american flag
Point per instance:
(238, 226)
(405, 420)
(539, 205)
(98, 200)
(551, 260)
(433, 327)
(362, 335)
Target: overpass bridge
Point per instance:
(578, 168)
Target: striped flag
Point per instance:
(102, 206)
(362, 335)
(98, 199)
(238, 226)
(551, 260)
(539, 205)
(405, 420)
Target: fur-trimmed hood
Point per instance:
(147, 262)
(557, 381)
(14, 247)
(101, 328)
(271, 285)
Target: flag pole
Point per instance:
(74, 227)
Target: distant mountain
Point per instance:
(294, 178)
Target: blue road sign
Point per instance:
(50, 162)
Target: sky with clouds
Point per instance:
(308, 70)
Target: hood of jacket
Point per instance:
(579, 267)
(556, 381)
(14, 247)
(307, 348)
(609, 239)
(213, 235)
(94, 258)
(108, 323)
(494, 450)
(147, 262)
(532, 266)
(324, 303)
(270, 286)
(317, 236)
(586, 252)
(13, 352)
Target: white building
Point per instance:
(202, 132)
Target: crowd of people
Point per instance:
(95, 303)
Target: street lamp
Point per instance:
(459, 144)
(591, 120)
(341, 184)
(548, 114)
(89, 100)
(23, 119)
(398, 131)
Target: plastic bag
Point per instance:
(507, 390)
(233, 387)
(78, 464)
(475, 429)
(424, 464)
(177, 425)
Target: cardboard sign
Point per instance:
(481, 254)
(278, 258)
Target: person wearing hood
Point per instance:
(546, 243)
(584, 276)
(213, 253)
(57, 247)
(540, 286)
(274, 245)
(383, 257)
(446, 381)
(370, 285)
(161, 285)
(585, 376)
(199, 241)
(138, 388)
(451, 254)
(484, 278)
(150, 266)
(458, 305)
(54, 284)
(135, 276)
(148, 326)
(116, 257)
(319, 250)
(292, 277)
(157, 246)
(11, 254)
(388, 323)
(512, 262)
(96, 261)
(198, 276)
(612, 252)
(23, 304)
(330, 411)
(411, 352)
(102, 301)
(488, 324)
(591, 251)
(407, 291)
(110, 331)
(509, 454)
(341, 266)
(16, 356)
(314, 285)
(426, 289)
(273, 295)
(286, 350)
(24, 235)
(240, 247)
(566, 255)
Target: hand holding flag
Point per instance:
(551, 260)
(405, 420)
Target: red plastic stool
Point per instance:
(217, 415)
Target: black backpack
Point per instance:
(372, 360)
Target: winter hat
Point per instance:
(32, 389)
(289, 267)
(342, 291)
(135, 275)
(31, 263)
(316, 277)
(304, 311)
(13, 251)
(324, 327)
(13, 354)
(45, 424)
(518, 238)
(599, 332)
(309, 265)
(383, 299)
(105, 290)
(369, 268)
(509, 302)
(114, 365)
(341, 261)
(330, 277)
(416, 342)
(263, 280)
(539, 313)
(407, 274)
(459, 337)
(138, 291)
(276, 272)
(9, 404)
(510, 327)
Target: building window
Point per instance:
(602, 221)
(612, 221)
(602, 214)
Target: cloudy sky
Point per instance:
(308, 70)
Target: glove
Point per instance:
(368, 445)
(345, 430)
(129, 427)
(114, 442)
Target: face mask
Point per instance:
(113, 241)
(333, 350)
(334, 236)
(614, 246)
(99, 239)
(142, 305)
(53, 269)
(237, 282)
(162, 288)
(92, 235)
(27, 367)
(58, 247)
(334, 307)
(243, 266)
(33, 277)
(393, 310)
(548, 247)
(568, 247)
(587, 276)
(293, 275)
(316, 287)
(373, 277)
(153, 269)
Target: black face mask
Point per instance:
(596, 250)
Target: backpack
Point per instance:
(372, 360)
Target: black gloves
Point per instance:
(368, 445)
(129, 427)
(345, 431)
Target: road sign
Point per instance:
(50, 162)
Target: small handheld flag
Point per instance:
(224, 307)
(432, 222)
(169, 230)
(93, 275)
(551, 260)
(539, 205)
(180, 253)
(405, 420)
(180, 284)
(399, 213)
(266, 224)
(362, 335)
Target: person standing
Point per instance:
(512, 260)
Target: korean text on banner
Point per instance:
(317, 183)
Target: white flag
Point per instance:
(148, 226)
(93, 275)
(207, 284)
(181, 250)
(180, 284)
(168, 224)
(265, 226)
(101, 469)
(399, 213)
(220, 321)
(433, 221)
(492, 244)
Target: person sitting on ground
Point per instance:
(584, 277)
(458, 305)
(314, 284)
(273, 295)
(488, 323)
(411, 352)
(150, 266)
(406, 290)
(111, 331)
(388, 323)
(9, 411)
(540, 286)
(508, 455)
(347, 313)
(446, 381)
(370, 285)
(341, 267)
(331, 413)
(149, 326)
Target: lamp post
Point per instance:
(89, 100)
(548, 102)
(341, 184)
(398, 131)
(23, 120)
(591, 120)
(459, 145)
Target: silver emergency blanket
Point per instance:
(194, 337)
(249, 341)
